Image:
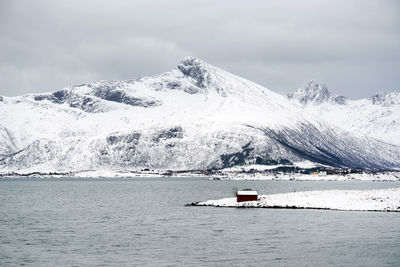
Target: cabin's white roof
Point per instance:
(247, 193)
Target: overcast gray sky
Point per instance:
(351, 46)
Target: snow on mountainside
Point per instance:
(386, 98)
(378, 116)
(315, 93)
(193, 117)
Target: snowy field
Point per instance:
(351, 200)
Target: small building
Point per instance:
(246, 195)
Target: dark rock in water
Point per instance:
(1, 99)
(192, 204)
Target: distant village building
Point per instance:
(246, 195)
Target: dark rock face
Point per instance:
(8, 143)
(237, 158)
(174, 85)
(316, 93)
(132, 138)
(386, 98)
(194, 68)
(38, 152)
(308, 143)
(329, 149)
(340, 100)
(90, 102)
(118, 95)
(83, 102)
(176, 132)
(120, 149)
(266, 160)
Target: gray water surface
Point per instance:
(143, 222)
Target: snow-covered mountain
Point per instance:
(315, 93)
(193, 117)
(377, 116)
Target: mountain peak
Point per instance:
(386, 98)
(315, 93)
(196, 69)
(190, 60)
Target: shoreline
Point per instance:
(218, 176)
(343, 200)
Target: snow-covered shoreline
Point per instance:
(222, 175)
(346, 200)
(380, 176)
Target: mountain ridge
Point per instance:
(315, 93)
(194, 117)
(377, 116)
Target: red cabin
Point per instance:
(246, 195)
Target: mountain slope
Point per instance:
(194, 117)
(377, 116)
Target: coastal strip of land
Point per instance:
(347, 200)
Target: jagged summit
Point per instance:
(315, 93)
(196, 69)
(207, 78)
(386, 98)
(377, 116)
(200, 71)
(191, 76)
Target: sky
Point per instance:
(351, 46)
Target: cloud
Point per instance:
(352, 46)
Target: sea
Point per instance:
(144, 222)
